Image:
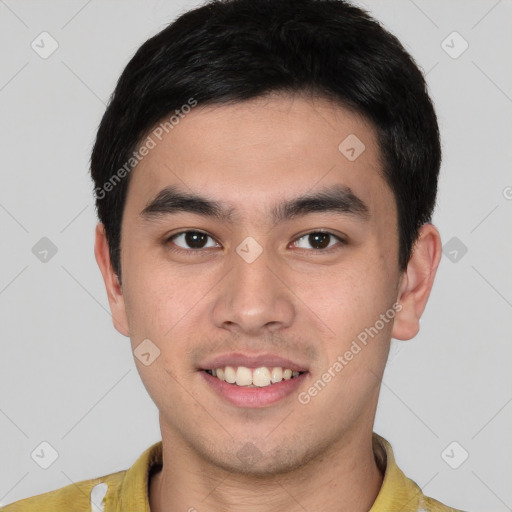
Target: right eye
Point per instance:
(190, 241)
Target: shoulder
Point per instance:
(432, 505)
(75, 497)
(124, 490)
(398, 492)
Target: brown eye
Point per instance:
(191, 240)
(318, 240)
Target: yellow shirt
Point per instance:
(127, 491)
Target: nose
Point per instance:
(255, 296)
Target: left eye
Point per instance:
(320, 240)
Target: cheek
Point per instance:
(161, 384)
(153, 294)
(351, 304)
(352, 294)
(163, 306)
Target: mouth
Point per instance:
(253, 380)
(260, 377)
(247, 394)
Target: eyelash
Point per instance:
(180, 250)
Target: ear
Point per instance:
(112, 285)
(416, 282)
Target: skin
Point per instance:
(304, 306)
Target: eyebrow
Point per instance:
(337, 199)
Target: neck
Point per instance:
(342, 478)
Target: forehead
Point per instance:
(254, 152)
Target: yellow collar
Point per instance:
(398, 493)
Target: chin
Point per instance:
(249, 460)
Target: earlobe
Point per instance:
(417, 281)
(113, 288)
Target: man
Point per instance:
(265, 176)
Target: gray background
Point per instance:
(68, 378)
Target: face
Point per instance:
(261, 279)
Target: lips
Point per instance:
(255, 396)
(253, 380)
(252, 361)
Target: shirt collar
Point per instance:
(397, 491)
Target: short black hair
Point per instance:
(237, 50)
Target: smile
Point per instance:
(253, 377)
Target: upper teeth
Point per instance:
(259, 377)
